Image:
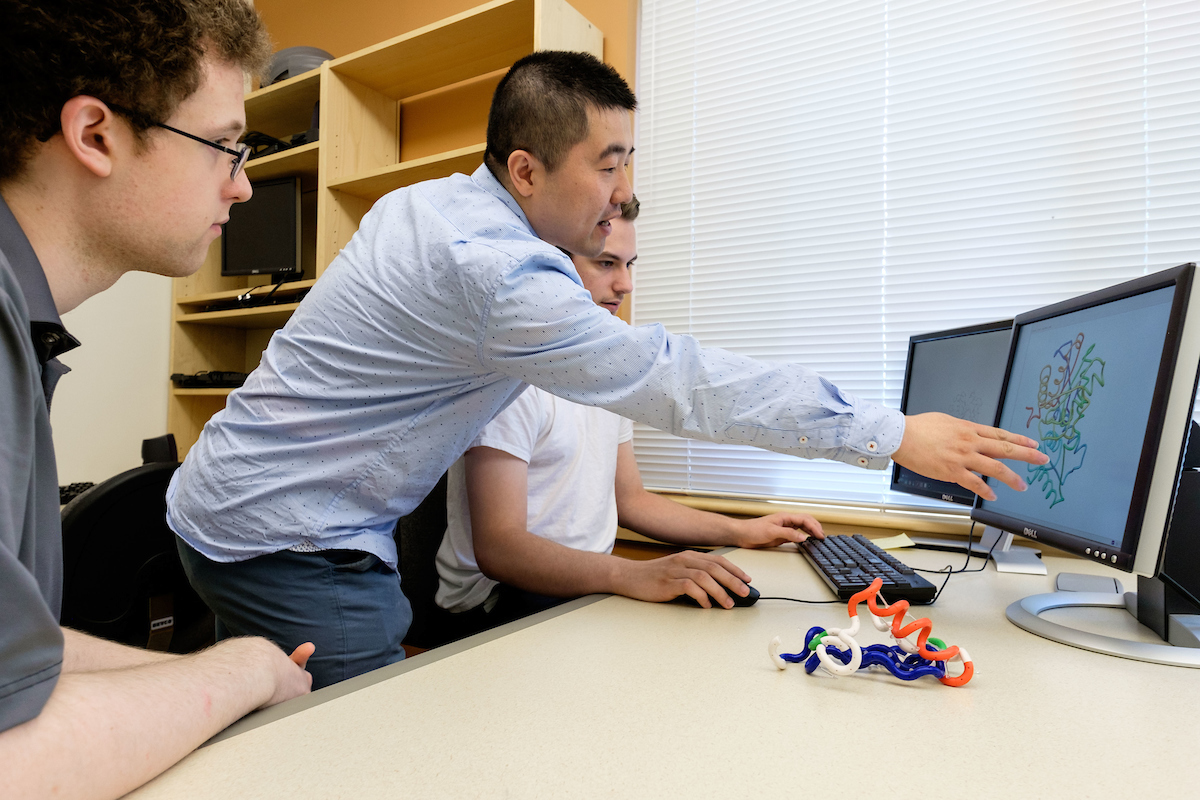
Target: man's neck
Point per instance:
(48, 218)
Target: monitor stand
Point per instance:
(1007, 558)
(1182, 647)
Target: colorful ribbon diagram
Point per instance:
(840, 654)
(1065, 390)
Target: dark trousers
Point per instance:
(347, 603)
(511, 604)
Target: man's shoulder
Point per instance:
(487, 222)
(14, 312)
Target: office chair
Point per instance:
(417, 539)
(122, 579)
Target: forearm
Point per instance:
(527, 561)
(83, 653)
(102, 734)
(659, 518)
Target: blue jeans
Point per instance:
(347, 603)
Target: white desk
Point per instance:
(616, 698)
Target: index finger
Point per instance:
(992, 469)
(729, 567)
(1013, 439)
(1012, 451)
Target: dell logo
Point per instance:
(949, 498)
(1030, 532)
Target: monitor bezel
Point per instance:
(298, 268)
(1170, 412)
(965, 497)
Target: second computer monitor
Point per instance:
(1105, 383)
(957, 372)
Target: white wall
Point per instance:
(116, 393)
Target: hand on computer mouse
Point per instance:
(738, 601)
(687, 573)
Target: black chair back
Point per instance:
(418, 537)
(122, 579)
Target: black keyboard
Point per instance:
(848, 564)
(210, 380)
(72, 490)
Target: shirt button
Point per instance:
(862, 461)
(803, 440)
(872, 446)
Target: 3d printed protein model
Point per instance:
(905, 660)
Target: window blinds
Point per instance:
(820, 180)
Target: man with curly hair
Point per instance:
(118, 152)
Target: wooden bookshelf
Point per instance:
(408, 109)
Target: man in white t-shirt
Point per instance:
(533, 506)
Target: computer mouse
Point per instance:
(738, 601)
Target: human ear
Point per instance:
(523, 171)
(88, 130)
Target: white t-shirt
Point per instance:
(571, 451)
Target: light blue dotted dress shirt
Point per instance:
(439, 311)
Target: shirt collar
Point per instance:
(488, 182)
(50, 338)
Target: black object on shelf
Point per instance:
(248, 300)
(209, 380)
(262, 144)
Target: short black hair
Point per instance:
(145, 55)
(541, 106)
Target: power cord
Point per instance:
(249, 293)
(948, 571)
(797, 600)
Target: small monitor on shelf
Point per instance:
(262, 236)
(1106, 383)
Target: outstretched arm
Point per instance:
(103, 733)
(659, 518)
(946, 448)
(497, 491)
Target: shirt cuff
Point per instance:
(874, 435)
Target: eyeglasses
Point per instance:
(240, 155)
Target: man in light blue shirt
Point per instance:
(453, 295)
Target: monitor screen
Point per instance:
(958, 372)
(1105, 384)
(262, 236)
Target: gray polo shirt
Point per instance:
(31, 337)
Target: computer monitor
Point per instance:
(959, 372)
(1106, 383)
(956, 372)
(262, 236)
